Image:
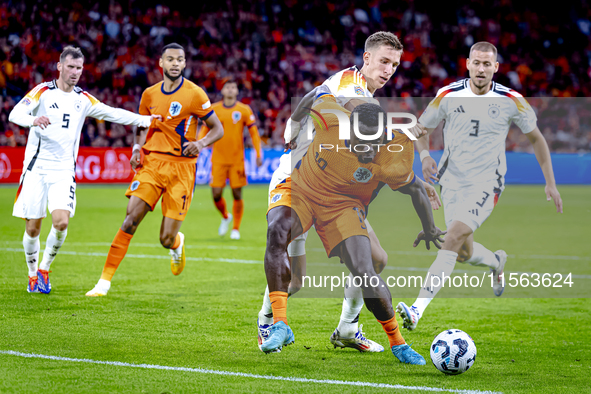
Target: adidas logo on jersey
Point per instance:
(460, 109)
(54, 105)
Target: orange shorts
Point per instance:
(281, 195)
(168, 176)
(334, 223)
(234, 172)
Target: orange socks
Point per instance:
(279, 306)
(116, 254)
(391, 328)
(177, 242)
(237, 211)
(221, 206)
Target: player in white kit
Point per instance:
(478, 113)
(351, 87)
(55, 112)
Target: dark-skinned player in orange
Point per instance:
(227, 160)
(331, 190)
(169, 162)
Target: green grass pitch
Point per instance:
(205, 318)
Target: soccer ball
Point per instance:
(453, 352)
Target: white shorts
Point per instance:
(281, 173)
(37, 191)
(471, 206)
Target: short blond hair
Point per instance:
(484, 46)
(382, 38)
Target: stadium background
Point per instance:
(279, 50)
(205, 318)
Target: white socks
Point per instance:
(481, 256)
(55, 240)
(31, 246)
(178, 252)
(439, 272)
(266, 312)
(103, 284)
(352, 305)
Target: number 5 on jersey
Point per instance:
(66, 121)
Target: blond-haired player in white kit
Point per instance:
(55, 112)
(478, 113)
(351, 87)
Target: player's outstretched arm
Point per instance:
(216, 131)
(544, 159)
(118, 115)
(20, 114)
(422, 205)
(293, 125)
(305, 104)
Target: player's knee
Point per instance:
(363, 270)
(33, 232)
(167, 240)
(61, 225)
(130, 224)
(217, 193)
(456, 239)
(277, 235)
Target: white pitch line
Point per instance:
(142, 245)
(262, 248)
(514, 256)
(240, 261)
(247, 375)
(147, 256)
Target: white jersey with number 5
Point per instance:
(56, 146)
(345, 85)
(475, 131)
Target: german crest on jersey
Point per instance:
(359, 91)
(236, 115)
(175, 108)
(362, 175)
(494, 111)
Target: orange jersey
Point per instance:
(327, 176)
(230, 148)
(180, 110)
